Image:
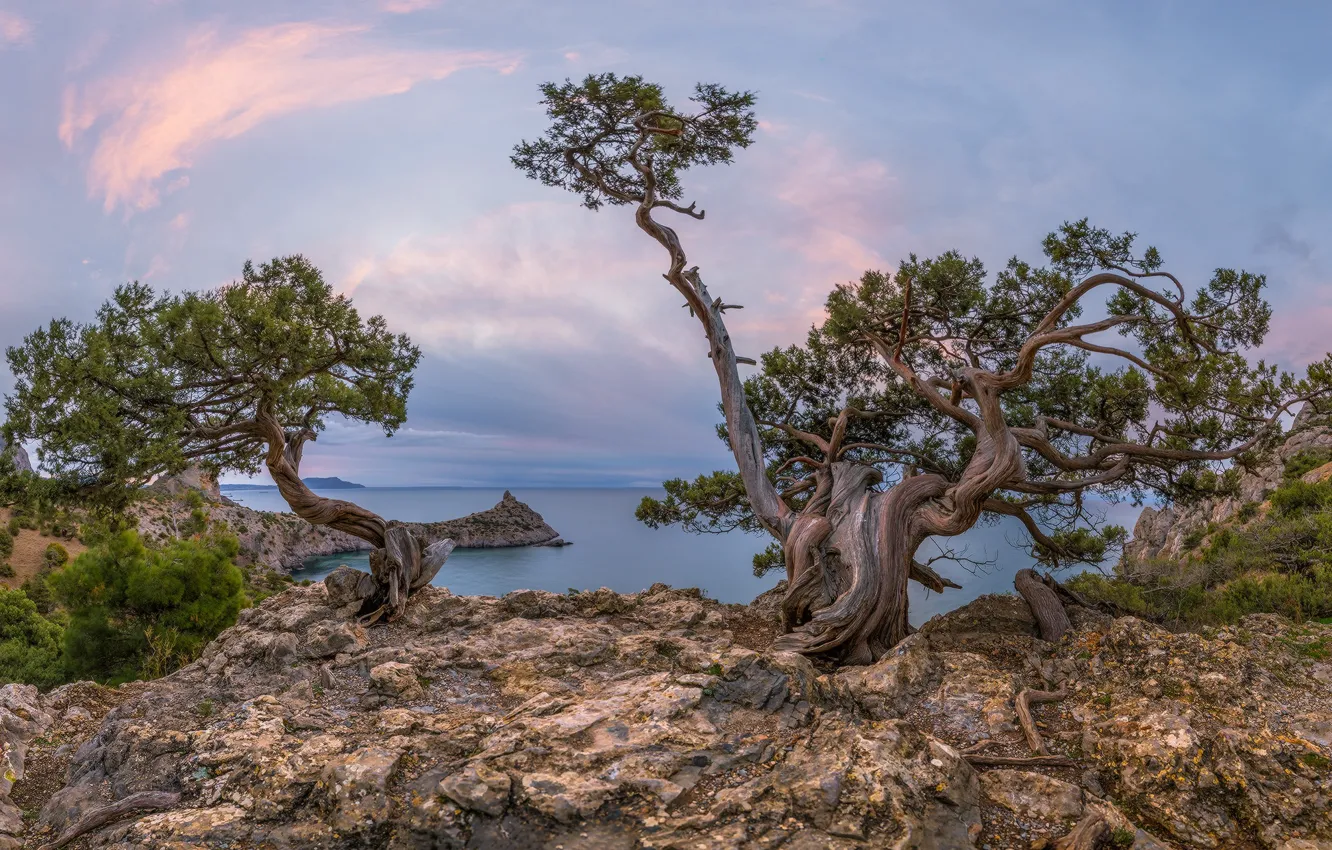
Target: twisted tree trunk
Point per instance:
(401, 563)
(851, 551)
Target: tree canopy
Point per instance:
(936, 394)
(159, 381)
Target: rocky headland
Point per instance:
(284, 541)
(661, 720)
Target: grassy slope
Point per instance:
(29, 549)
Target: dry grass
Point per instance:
(30, 550)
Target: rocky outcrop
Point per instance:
(509, 523)
(660, 720)
(1162, 532)
(285, 541)
(193, 478)
(21, 461)
(21, 721)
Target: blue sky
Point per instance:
(168, 141)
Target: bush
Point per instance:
(14, 526)
(39, 592)
(55, 556)
(1305, 461)
(29, 643)
(7, 570)
(136, 612)
(6, 543)
(1300, 497)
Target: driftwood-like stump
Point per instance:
(1045, 605)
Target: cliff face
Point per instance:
(660, 720)
(285, 541)
(21, 461)
(1160, 533)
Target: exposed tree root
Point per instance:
(978, 746)
(1088, 834)
(1023, 705)
(143, 801)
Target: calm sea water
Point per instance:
(612, 549)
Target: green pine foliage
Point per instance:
(136, 612)
(29, 642)
(160, 380)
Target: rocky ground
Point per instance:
(284, 541)
(659, 720)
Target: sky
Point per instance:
(168, 141)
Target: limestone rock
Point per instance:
(478, 788)
(1160, 533)
(356, 786)
(637, 720)
(21, 461)
(1033, 794)
(192, 479)
(395, 679)
(565, 796)
(22, 719)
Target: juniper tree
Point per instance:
(934, 396)
(233, 379)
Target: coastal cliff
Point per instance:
(1166, 532)
(284, 541)
(662, 720)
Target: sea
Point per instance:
(612, 549)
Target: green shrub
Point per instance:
(138, 612)
(13, 526)
(6, 543)
(1192, 539)
(55, 556)
(1306, 461)
(39, 592)
(29, 643)
(7, 570)
(1298, 497)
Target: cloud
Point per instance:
(523, 277)
(404, 7)
(14, 29)
(155, 121)
(1275, 236)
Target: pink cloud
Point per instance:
(14, 29)
(157, 119)
(524, 277)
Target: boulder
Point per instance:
(396, 680)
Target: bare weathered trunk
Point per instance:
(849, 559)
(401, 563)
(1044, 603)
(851, 551)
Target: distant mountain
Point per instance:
(334, 483)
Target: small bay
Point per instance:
(612, 549)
